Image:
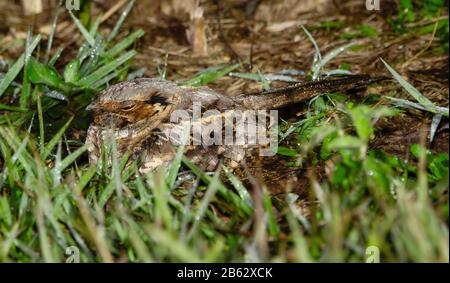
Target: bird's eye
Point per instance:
(128, 107)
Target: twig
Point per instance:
(174, 53)
(423, 50)
(222, 36)
(113, 9)
(424, 23)
(32, 7)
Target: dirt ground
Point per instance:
(266, 35)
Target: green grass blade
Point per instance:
(175, 167)
(106, 194)
(72, 157)
(55, 56)
(122, 18)
(124, 44)
(330, 56)
(317, 55)
(272, 224)
(424, 101)
(17, 67)
(87, 36)
(209, 75)
(26, 84)
(12, 108)
(265, 82)
(434, 125)
(240, 188)
(87, 81)
(56, 138)
(94, 30)
(167, 240)
(41, 123)
(52, 34)
(87, 177)
(210, 193)
(163, 213)
(300, 243)
(242, 206)
(105, 80)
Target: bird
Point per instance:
(138, 115)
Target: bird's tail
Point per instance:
(300, 92)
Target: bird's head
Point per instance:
(132, 102)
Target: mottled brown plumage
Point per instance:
(138, 112)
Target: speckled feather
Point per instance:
(138, 112)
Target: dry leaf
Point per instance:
(197, 32)
(31, 7)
